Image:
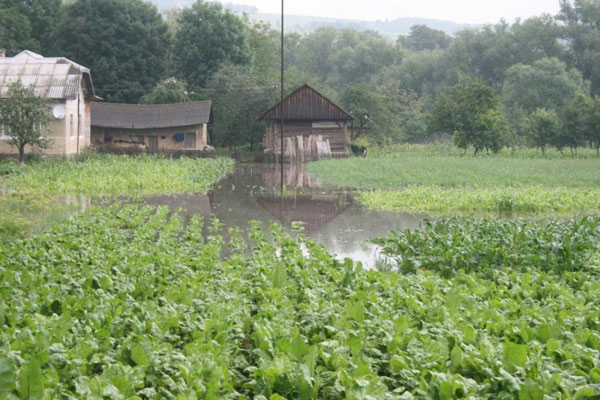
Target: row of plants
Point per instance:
(113, 175)
(133, 303)
(434, 200)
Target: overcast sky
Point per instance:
(469, 11)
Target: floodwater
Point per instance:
(331, 216)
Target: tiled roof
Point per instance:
(50, 77)
(142, 116)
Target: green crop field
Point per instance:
(109, 175)
(130, 303)
(417, 181)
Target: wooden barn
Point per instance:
(155, 127)
(313, 126)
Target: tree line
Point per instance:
(534, 82)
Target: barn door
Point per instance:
(153, 144)
(190, 140)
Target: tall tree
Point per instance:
(422, 37)
(239, 97)
(469, 110)
(23, 115)
(43, 16)
(543, 129)
(123, 42)
(207, 37)
(15, 31)
(167, 91)
(581, 26)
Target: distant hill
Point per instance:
(301, 23)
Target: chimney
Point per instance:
(2, 53)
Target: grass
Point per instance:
(130, 303)
(425, 179)
(110, 175)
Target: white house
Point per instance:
(69, 90)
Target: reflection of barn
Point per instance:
(158, 127)
(309, 115)
(314, 211)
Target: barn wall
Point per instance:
(165, 136)
(336, 133)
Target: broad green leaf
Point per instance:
(7, 375)
(514, 355)
(30, 380)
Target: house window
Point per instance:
(4, 130)
(72, 132)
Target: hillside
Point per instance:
(302, 23)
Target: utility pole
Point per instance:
(282, 97)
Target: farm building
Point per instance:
(311, 122)
(69, 90)
(155, 127)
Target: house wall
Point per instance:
(59, 131)
(166, 142)
(335, 132)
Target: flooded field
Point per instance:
(329, 215)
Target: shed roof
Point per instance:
(54, 78)
(305, 103)
(148, 116)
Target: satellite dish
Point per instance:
(58, 111)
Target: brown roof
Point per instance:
(306, 103)
(50, 77)
(147, 116)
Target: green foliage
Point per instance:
(167, 91)
(24, 115)
(131, 303)
(422, 37)
(239, 97)
(543, 128)
(207, 37)
(469, 111)
(454, 246)
(439, 200)
(123, 42)
(110, 175)
(15, 30)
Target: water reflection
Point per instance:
(330, 216)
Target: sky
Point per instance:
(465, 11)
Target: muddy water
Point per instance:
(330, 215)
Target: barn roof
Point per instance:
(305, 103)
(54, 78)
(148, 116)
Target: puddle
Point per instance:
(330, 216)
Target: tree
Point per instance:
(123, 42)
(208, 36)
(42, 15)
(469, 111)
(545, 84)
(574, 121)
(543, 129)
(15, 31)
(23, 115)
(167, 91)
(422, 37)
(239, 97)
(592, 123)
(372, 111)
(581, 29)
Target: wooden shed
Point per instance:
(310, 119)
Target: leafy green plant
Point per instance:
(132, 303)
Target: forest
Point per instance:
(534, 82)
